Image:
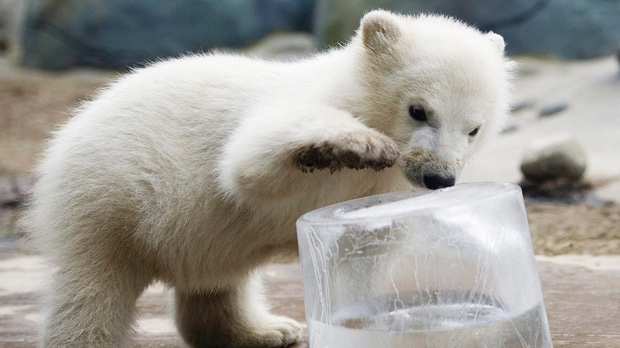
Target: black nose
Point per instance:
(434, 182)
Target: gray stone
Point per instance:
(523, 105)
(4, 18)
(559, 157)
(10, 12)
(566, 29)
(58, 34)
(528, 68)
(9, 192)
(13, 190)
(284, 47)
(552, 109)
(509, 128)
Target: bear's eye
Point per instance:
(474, 132)
(418, 113)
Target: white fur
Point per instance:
(187, 170)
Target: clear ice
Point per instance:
(447, 268)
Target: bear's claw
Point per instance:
(354, 151)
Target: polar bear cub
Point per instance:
(193, 171)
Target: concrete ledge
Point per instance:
(582, 297)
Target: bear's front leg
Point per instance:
(233, 317)
(268, 154)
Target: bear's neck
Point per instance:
(336, 76)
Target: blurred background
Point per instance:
(561, 143)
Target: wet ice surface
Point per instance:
(414, 201)
(418, 269)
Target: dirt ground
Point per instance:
(32, 104)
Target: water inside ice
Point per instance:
(484, 322)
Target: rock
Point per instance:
(4, 18)
(528, 68)
(11, 194)
(560, 157)
(10, 12)
(568, 29)
(552, 109)
(284, 47)
(523, 105)
(58, 34)
(509, 128)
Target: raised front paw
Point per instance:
(356, 150)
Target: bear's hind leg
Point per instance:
(232, 317)
(92, 308)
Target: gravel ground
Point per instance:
(32, 104)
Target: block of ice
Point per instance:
(452, 267)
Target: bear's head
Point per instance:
(438, 87)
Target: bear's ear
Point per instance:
(379, 31)
(497, 40)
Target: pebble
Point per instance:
(552, 109)
(13, 190)
(509, 127)
(523, 105)
(284, 47)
